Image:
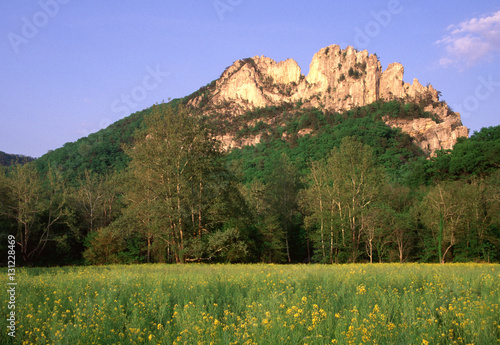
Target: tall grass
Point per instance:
(257, 304)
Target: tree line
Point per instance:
(182, 199)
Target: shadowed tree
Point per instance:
(161, 174)
(443, 210)
(282, 191)
(178, 187)
(95, 199)
(36, 204)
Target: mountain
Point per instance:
(338, 80)
(347, 158)
(260, 101)
(7, 159)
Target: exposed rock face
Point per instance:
(432, 136)
(337, 80)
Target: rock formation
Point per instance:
(338, 80)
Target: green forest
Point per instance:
(157, 187)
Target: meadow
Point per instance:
(256, 304)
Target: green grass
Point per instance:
(257, 304)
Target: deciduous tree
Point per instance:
(36, 204)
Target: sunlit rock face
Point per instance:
(338, 79)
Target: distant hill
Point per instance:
(7, 159)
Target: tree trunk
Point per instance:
(149, 249)
(440, 237)
(287, 249)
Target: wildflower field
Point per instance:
(257, 304)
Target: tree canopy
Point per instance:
(319, 187)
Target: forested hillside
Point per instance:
(101, 152)
(320, 186)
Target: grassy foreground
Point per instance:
(257, 304)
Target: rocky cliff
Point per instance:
(338, 79)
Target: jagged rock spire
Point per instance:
(338, 79)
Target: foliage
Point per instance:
(176, 190)
(100, 152)
(342, 189)
(156, 187)
(37, 205)
(461, 216)
(393, 148)
(477, 156)
(95, 200)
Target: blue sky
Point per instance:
(70, 67)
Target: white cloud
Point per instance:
(470, 41)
